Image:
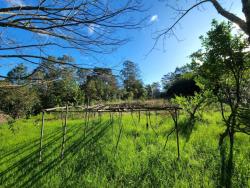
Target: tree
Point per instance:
(243, 24)
(193, 107)
(181, 82)
(149, 92)
(19, 101)
(62, 88)
(131, 81)
(15, 75)
(88, 26)
(100, 84)
(156, 90)
(182, 87)
(168, 79)
(225, 71)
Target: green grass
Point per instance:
(92, 160)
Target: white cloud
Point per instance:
(15, 2)
(154, 18)
(91, 28)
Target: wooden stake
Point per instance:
(156, 119)
(139, 118)
(41, 138)
(147, 120)
(64, 132)
(120, 131)
(177, 132)
(99, 117)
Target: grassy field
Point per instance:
(94, 158)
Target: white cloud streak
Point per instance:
(91, 29)
(15, 2)
(154, 18)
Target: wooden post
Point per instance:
(62, 118)
(64, 132)
(85, 122)
(139, 118)
(156, 119)
(147, 119)
(177, 132)
(120, 131)
(41, 138)
(99, 117)
(112, 127)
(110, 117)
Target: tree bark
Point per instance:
(246, 11)
(244, 25)
(232, 17)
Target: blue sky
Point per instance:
(163, 59)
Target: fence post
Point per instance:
(177, 132)
(41, 138)
(64, 131)
(147, 120)
(139, 118)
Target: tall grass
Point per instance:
(94, 157)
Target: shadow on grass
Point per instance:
(186, 128)
(29, 160)
(71, 151)
(226, 170)
(21, 149)
(27, 171)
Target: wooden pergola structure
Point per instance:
(111, 108)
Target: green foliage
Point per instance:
(131, 81)
(18, 102)
(183, 72)
(62, 87)
(194, 104)
(100, 85)
(225, 69)
(153, 91)
(18, 74)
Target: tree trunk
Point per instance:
(246, 11)
(244, 25)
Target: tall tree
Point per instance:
(225, 71)
(62, 86)
(16, 74)
(156, 90)
(131, 80)
(100, 84)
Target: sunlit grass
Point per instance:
(92, 160)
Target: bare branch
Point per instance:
(244, 25)
(88, 26)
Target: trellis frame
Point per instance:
(111, 108)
